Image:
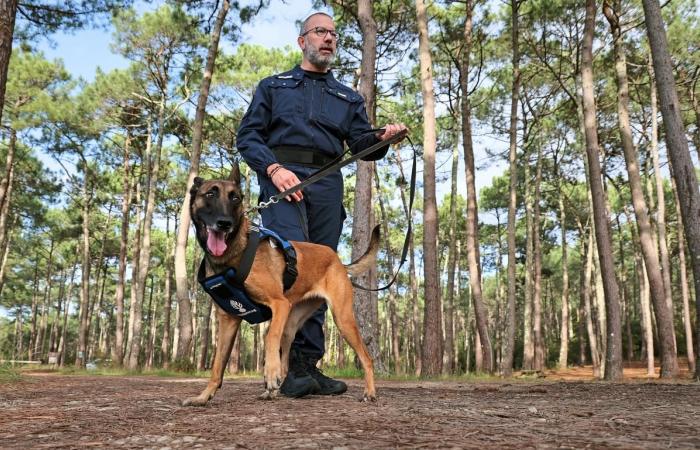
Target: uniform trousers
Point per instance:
(318, 218)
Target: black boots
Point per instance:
(304, 378)
(329, 386)
(298, 382)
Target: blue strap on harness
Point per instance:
(227, 290)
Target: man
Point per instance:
(297, 122)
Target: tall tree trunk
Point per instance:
(167, 297)
(661, 200)
(664, 314)
(528, 338)
(677, 144)
(432, 322)
(565, 315)
(118, 348)
(451, 266)
(613, 354)
(136, 260)
(509, 351)
(363, 209)
(683, 281)
(586, 277)
(6, 185)
(85, 270)
(537, 269)
(181, 282)
(472, 222)
(145, 254)
(8, 12)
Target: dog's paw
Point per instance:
(269, 394)
(194, 401)
(369, 398)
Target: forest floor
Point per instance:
(562, 410)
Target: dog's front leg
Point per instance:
(273, 371)
(228, 328)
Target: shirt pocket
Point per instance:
(286, 98)
(337, 108)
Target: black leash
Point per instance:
(409, 231)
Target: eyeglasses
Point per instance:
(322, 32)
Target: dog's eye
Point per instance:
(234, 198)
(210, 194)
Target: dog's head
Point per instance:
(216, 207)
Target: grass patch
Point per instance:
(9, 374)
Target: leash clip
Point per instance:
(263, 205)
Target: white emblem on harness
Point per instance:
(238, 306)
(285, 77)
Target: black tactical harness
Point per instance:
(227, 289)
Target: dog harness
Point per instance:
(227, 288)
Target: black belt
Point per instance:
(300, 155)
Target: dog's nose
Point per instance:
(224, 225)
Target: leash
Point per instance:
(339, 163)
(409, 231)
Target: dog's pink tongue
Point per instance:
(216, 242)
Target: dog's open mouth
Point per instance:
(216, 241)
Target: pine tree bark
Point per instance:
(472, 222)
(451, 267)
(432, 322)
(365, 303)
(613, 354)
(509, 351)
(677, 144)
(664, 314)
(660, 195)
(586, 277)
(8, 12)
(683, 281)
(167, 298)
(181, 281)
(537, 268)
(528, 337)
(118, 348)
(565, 315)
(85, 262)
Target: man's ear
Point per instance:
(235, 175)
(301, 41)
(196, 184)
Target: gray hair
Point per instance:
(302, 29)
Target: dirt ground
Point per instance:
(49, 410)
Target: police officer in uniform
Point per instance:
(297, 122)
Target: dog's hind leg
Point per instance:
(299, 314)
(340, 302)
(273, 373)
(228, 328)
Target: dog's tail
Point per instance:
(368, 259)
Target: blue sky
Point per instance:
(86, 50)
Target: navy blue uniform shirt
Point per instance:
(303, 109)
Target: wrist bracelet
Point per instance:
(274, 171)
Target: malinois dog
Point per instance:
(216, 209)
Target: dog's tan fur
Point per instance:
(322, 277)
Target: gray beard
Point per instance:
(318, 60)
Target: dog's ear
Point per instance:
(196, 184)
(235, 175)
